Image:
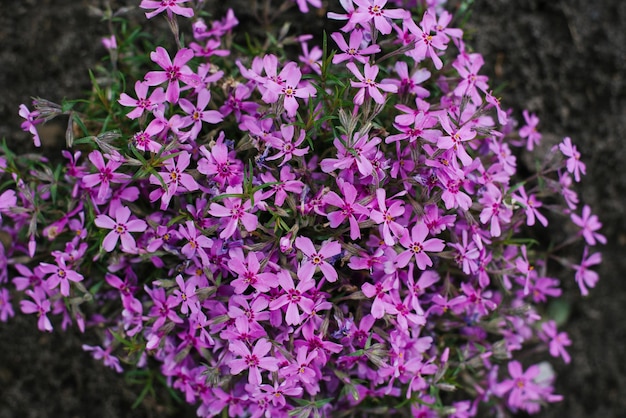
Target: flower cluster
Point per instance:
(291, 237)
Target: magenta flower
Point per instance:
(59, 275)
(121, 228)
(6, 310)
(382, 301)
(287, 85)
(317, 259)
(589, 224)
(349, 208)
(353, 49)
(221, 164)
(425, 41)
(368, 85)
(521, 386)
(234, 211)
(293, 297)
(252, 361)
(387, 217)
(40, 306)
(417, 245)
(143, 102)
(196, 242)
(574, 165)
(106, 174)
(531, 207)
(173, 73)
(557, 341)
(455, 138)
(286, 146)
(32, 120)
(174, 177)
(375, 10)
(287, 184)
(585, 277)
(247, 271)
(494, 209)
(169, 6)
(198, 114)
(529, 130)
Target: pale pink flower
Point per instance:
(121, 229)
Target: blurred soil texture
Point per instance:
(563, 60)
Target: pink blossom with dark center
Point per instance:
(142, 102)
(168, 6)
(317, 258)
(590, 225)
(106, 174)
(60, 274)
(174, 72)
(294, 297)
(368, 85)
(40, 306)
(416, 246)
(352, 50)
(375, 10)
(252, 361)
(234, 211)
(121, 229)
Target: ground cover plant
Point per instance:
(335, 232)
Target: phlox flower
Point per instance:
(387, 216)
(287, 184)
(248, 273)
(531, 207)
(574, 165)
(198, 114)
(168, 6)
(174, 178)
(425, 41)
(143, 102)
(253, 360)
(375, 10)
(349, 208)
(287, 84)
(529, 130)
(455, 138)
(60, 275)
(32, 120)
(173, 72)
(40, 305)
(287, 145)
(196, 242)
(300, 369)
(106, 174)
(186, 292)
(521, 387)
(468, 65)
(317, 258)
(409, 81)
(589, 224)
(234, 211)
(121, 229)
(416, 246)
(8, 200)
(557, 341)
(143, 140)
(353, 50)
(221, 165)
(368, 85)
(357, 152)
(348, 6)
(294, 297)
(494, 209)
(585, 277)
(304, 7)
(6, 310)
(380, 292)
(100, 353)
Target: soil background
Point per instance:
(564, 60)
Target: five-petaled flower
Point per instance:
(121, 229)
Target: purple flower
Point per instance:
(106, 174)
(294, 297)
(349, 208)
(173, 72)
(40, 306)
(252, 360)
(574, 165)
(198, 114)
(374, 10)
(589, 224)
(585, 277)
(32, 120)
(529, 131)
(121, 228)
(234, 211)
(352, 50)
(368, 85)
(317, 259)
(143, 102)
(169, 6)
(417, 245)
(60, 274)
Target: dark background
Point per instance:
(564, 60)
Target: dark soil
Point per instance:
(564, 60)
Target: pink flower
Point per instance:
(143, 102)
(196, 242)
(386, 216)
(247, 271)
(286, 146)
(106, 174)
(293, 297)
(60, 275)
(368, 85)
(416, 245)
(40, 306)
(574, 165)
(352, 50)
(173, 72)
(317, 259)
(234, 211)
(252, 360)
(121, 229)
(349, 208)
(589, 224)
(169, 6)
(174, 178)
(198, 114)
(455, 138)
(32, 120)
(425, 41)
(221, 164)
(557, 340)
(287, 85)
(494, 209)
(529, 131)
(585, 277)
(382, 301)
(374, 10)
(531, 207)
